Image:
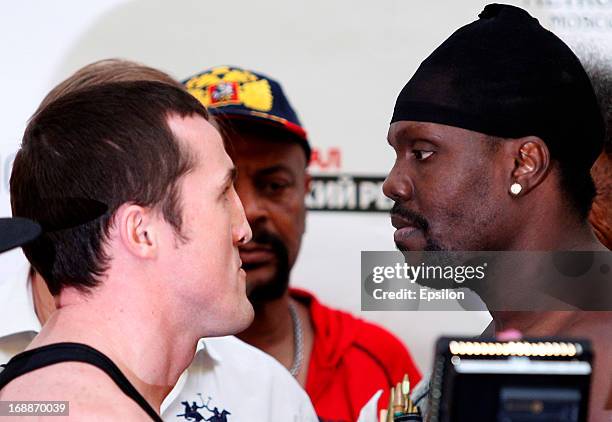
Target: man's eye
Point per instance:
(421, 155)
(227, 192)
(275, 188)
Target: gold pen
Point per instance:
(383, 415)
(406, 393)
(398, 401)
(390, 407)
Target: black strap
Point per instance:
(34, 359)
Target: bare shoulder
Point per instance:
(91, 394)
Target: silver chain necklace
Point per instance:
(298, 340)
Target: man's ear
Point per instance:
(138, 230)
(531, 164)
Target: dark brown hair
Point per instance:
(105, 71)
(112, 70)
(106, 144)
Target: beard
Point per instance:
(274, 287)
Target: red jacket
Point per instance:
(351, 359)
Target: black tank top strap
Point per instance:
(34, 359)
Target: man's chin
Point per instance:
(258, 277)
(411, 245)
(420, 244)
(261, 291)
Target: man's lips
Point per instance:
(405, 228)
(401, 235)
(401, 222)
(255, 255)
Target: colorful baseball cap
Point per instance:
(231, 92)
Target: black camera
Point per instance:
(510, 381)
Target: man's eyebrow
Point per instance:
(399, 136)
(230, 178)
(405, 137)
(273, 169)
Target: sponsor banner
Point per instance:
(578, 17)
(347, 192)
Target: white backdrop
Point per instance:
(342, 63)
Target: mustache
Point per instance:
(264, 237)
(414, 217)
(275, 287)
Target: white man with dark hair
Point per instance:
(224, 372)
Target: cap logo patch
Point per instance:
(227, 86)
(223, 93)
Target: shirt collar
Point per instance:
(17, 311)
(204, 350)
(208, 348)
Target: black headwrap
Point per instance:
(505, 75)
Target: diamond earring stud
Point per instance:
(516, 188)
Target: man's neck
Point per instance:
(44, 304)
(273, 331)
(553, 229)
(576, 236)
(152, 364)
(272, 328)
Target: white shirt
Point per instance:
(226, 373)
(235, 377)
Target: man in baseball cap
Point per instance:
(339, 359)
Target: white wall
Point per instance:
(342, 63)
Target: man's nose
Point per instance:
(242, 232)
(398, 185)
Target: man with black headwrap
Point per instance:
(495, 135)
